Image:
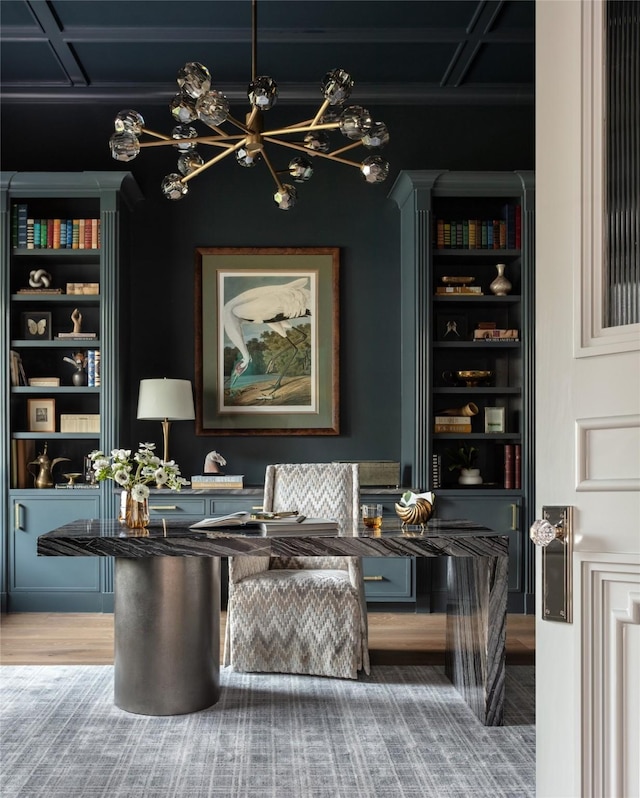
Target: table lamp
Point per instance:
(165, 400)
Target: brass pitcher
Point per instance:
(43, 478)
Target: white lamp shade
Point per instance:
(165, 399)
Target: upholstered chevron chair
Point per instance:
(301, 614)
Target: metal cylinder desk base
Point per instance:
(167, 634)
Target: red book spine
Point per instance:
(509, 482)
(518, 226)
(517, 466)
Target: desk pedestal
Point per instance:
(476, 633)
(167, 634)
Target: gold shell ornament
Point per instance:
(415, 509)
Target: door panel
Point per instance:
(587, 425)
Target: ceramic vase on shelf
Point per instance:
(79, 377)
(500, 286)
(470, 476)
(133, 514)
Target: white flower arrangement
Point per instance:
(136, 472)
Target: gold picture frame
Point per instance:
(267, 341)
(41, 415)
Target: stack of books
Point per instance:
(457, 424)
(444, 290)
(217, 481)
(78, 422)
(496, 335)
(44, 382)
(72, 336)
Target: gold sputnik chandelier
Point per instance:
(196, 100)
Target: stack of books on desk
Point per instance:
(217, 481)
(289, 526)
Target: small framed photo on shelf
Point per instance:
(36, 326)
(451, 327)
(41, 415)
(494, 419)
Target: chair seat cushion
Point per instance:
(300, 621)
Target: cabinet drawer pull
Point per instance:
(163, 506)
(374, 578)
(514, 516)
(16, 516)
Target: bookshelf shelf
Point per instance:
(19, 252)
(54, 389)
(62, 436)
(69, 343)
(481, 299)
(476, 344)
(69, 299)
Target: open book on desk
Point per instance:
(291, 525)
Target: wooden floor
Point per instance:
(87, 639)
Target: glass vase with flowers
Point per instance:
(134, 472)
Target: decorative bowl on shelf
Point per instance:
(415, 509)
(472, 377)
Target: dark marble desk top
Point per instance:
(173, 538)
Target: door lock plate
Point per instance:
(557, 567)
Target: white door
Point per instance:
(587, 430)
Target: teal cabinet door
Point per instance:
(45, 584)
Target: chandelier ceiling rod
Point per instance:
(197, 100)
(254, 40)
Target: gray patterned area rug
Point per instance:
(403, 732)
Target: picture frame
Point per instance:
(494, 419)
(451, 327)
(267, 341)
(36, 325)
(41, 415)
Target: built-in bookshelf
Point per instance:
(63, 236)
(468, 351)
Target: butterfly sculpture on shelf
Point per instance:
(37, 327)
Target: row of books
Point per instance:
(32, 233)
(23, 451)
(16, 369)
(502, 233)
(217, 481)
(93, 368)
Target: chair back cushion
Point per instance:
(317, 490)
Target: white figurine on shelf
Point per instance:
(212, 463)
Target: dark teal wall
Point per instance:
(230, 206)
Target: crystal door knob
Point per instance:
(542, 532)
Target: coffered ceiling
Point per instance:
(398, 51)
